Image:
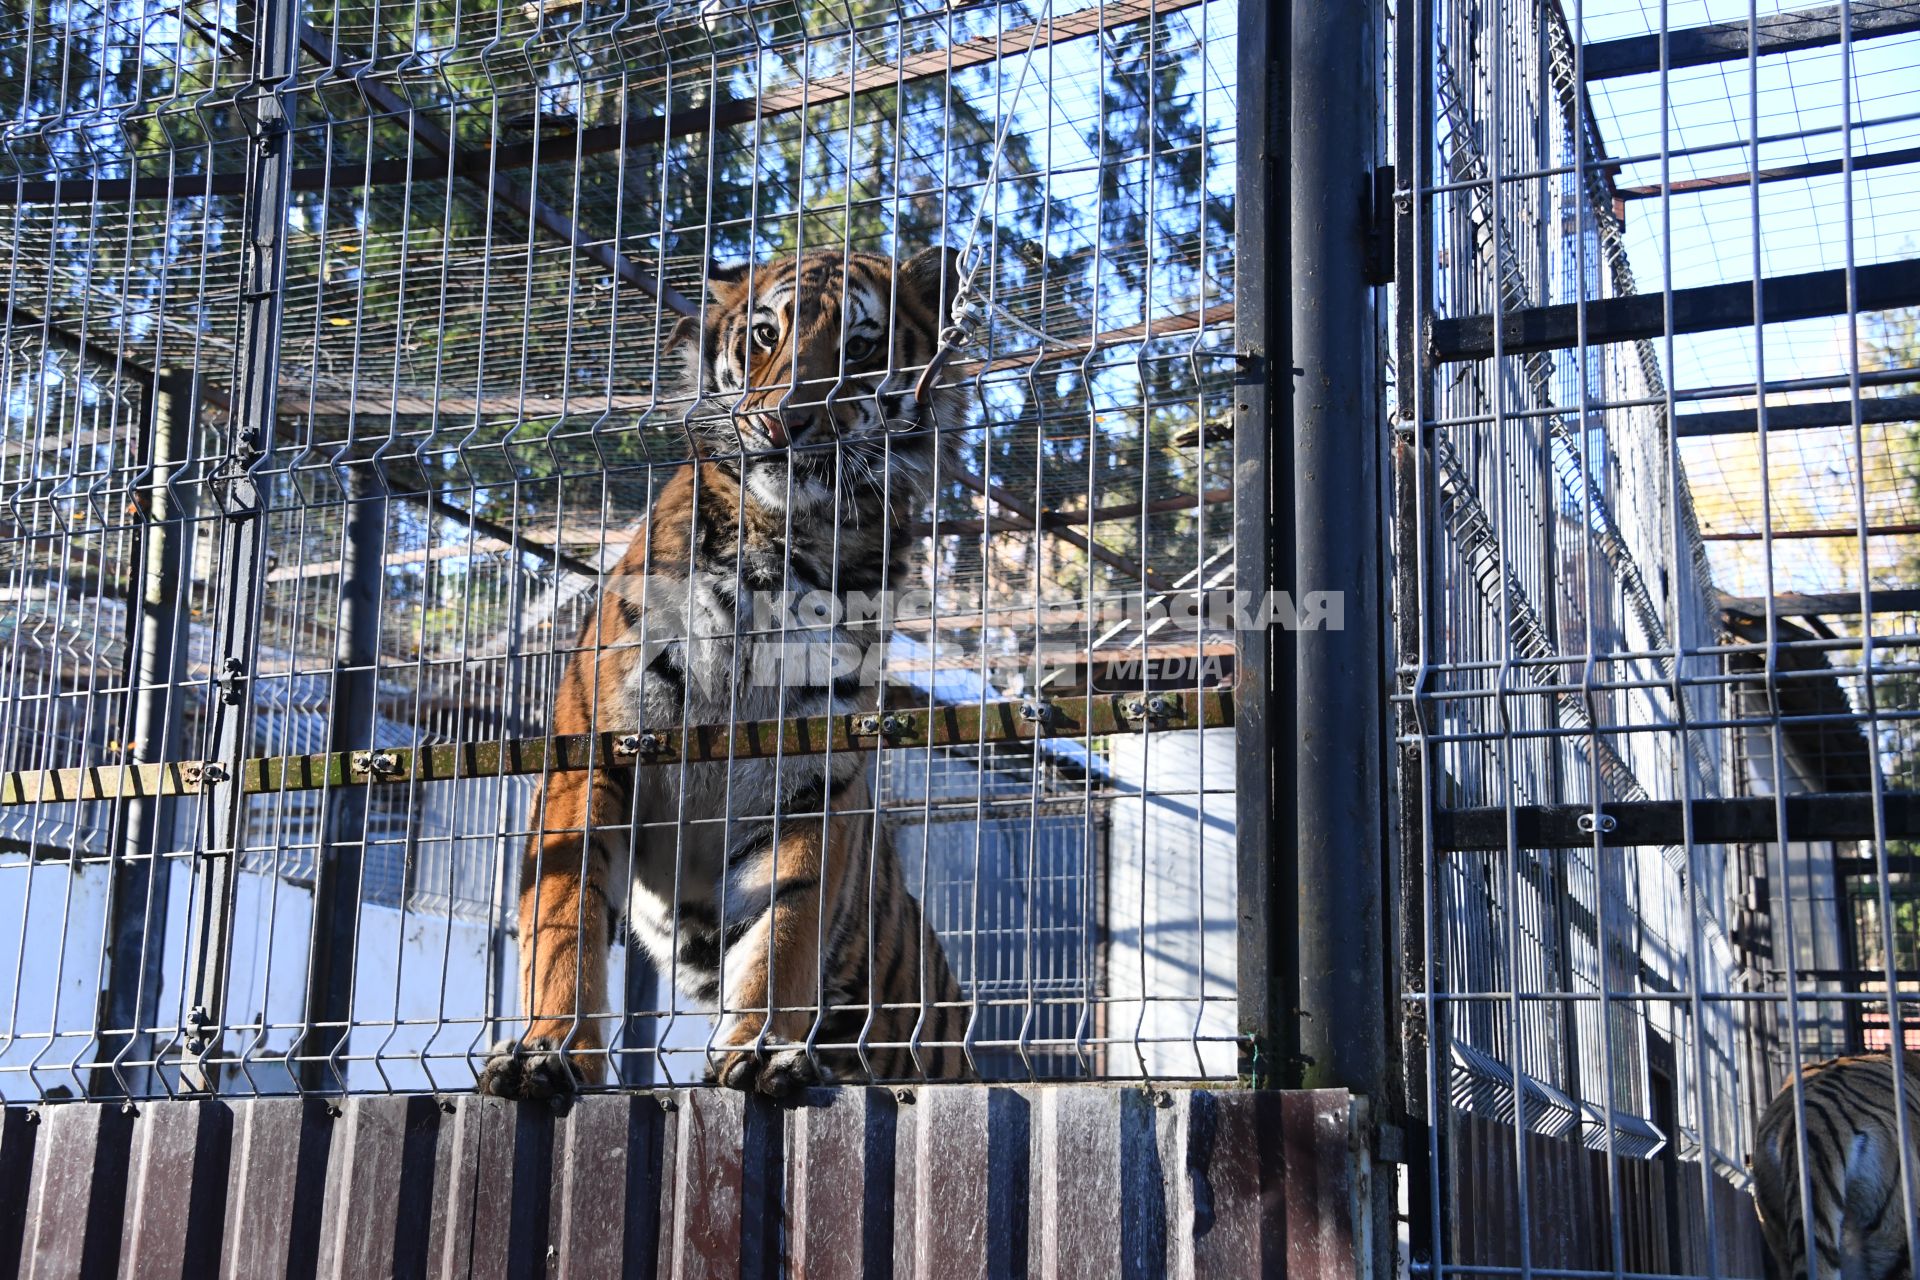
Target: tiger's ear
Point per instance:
(933, 276)
(726, 285)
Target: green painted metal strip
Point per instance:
(977, 724)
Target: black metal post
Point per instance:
(241, 582)
(1338, 438)
(156, 668)
(343, 842)
(1263, 550)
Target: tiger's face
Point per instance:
(803, 369)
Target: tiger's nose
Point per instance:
(785, 426)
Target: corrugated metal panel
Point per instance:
(1661, 1208)
(947, 1182)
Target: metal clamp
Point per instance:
(629, 745)
(1592, 823)
(1150, 710)
(889, 726)
(203, 773)
(379, 764)
(1036, 711)
(233, 681)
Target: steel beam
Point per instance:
(1783, 173)
(1652, 823)
(1720, 306)
(1729, 41)
(1793, 417)
(1838, 604)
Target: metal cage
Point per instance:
(339, 369)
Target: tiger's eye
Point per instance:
(860, 349)
(765, 335)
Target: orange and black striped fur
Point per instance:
(756, 884)
(1852, 1152)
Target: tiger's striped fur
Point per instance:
(1853, 1154)
(758, 882)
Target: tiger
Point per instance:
(768, 888)
(1853, 1148)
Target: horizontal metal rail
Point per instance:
(1096, 715)
(1832, 413)
(1783, 173)
(1841, 603)
(1728, 41)
(482, 163)
(1717, 306)
(1748, 820)
(1832, 531)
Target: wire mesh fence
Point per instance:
(543, 539)
(565, 544)
(1655, 633)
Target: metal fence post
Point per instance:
(1337, 437)
(156, 668)
(1340, 439)
(339, 878)
(241, 565)
(1263, 550)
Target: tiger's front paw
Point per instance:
(779, 1071)
(532, 1069)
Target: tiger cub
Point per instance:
(757, 885)
(1853, 1152)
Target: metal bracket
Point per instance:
(1600, 823)
(378, 764)
(200, 774)
(1150, 711)
(1381, 208)
(1036, 711)
(200, 1029)
(233, 681)
(630, 745)
(234, 486)
(891, 725)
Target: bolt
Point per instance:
(1160, 706)
(1035, 712)
(553, 1255)
(903, 1095)
(669, 1103)
(196, 1045)
(448, 1105)
(893, 726)
(639, 744)
(375, 762)
(1135, 708)
(866, 724)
